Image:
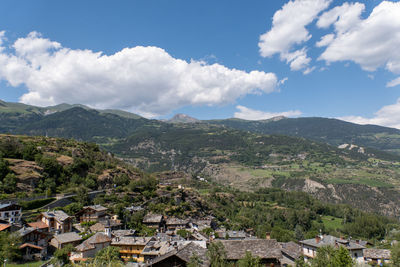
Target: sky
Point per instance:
(209, 59)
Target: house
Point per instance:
(33, 243)
(90, 247)
(62, 240)
(156, 221)
(180, 257)
(173, 224)
(56, 220)
(376, 256)
(310, 246)
(155, 248)
(131, 248)
(232, 235)
(268, 250)
(291, 251)
(91, 213)
(120, 233)
(10, 212)
(103, 224)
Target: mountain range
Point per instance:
(334, 160)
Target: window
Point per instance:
(355, 255)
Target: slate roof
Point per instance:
(96, 207)
(121, 233)
(6, 205)
(372, 253)
(68, 237)
(176, 221)
(263, 248)
(328, 240)
(152, 218)
(157, 248)
(291, 249)
(25, 230)
(59, 215)
(185, 253)
(88, 244)
(130, 240)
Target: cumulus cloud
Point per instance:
(146, 80)
(393, 83)
(289, 29)
(387, 116)
(252, 114)
(372, 42)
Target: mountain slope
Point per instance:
(331, 131)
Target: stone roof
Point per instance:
(96, 207)
(176, 221)
(328, 240)
(120, 233)
(89, 244)
(232, 234)
(291, 249)
(373, 253)
(9, 205)
(130, 240)
(100, 226)
(68, 237)
(157, 248)
(152, 218)
(263, 248)
(59, 215)
(185, 253)
(25, 230)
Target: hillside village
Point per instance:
(171, 241)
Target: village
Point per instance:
(174, 243)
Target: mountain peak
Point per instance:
(182, 118)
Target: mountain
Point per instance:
(182, 118)
(332, 131)
(247, 160)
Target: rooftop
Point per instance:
(96, 207)
(59, 215)
(328, 240)
(38, 225)
(68, 237)
(263, 248)
(373, 253)
(130, 240)
(152, 218)
(88, 244)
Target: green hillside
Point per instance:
(331, 131)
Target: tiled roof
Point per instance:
(4, 226)
(95, 239)
(130, 240)
(39, 225)
(29, 245)
(372, 253)
(68, 237)
(263, 248)
(328, 240)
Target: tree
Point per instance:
(61, 256)
(395, 255)
(183, 233)
(194, 261)
(9, 247)
(9, 183)
(324, 257)
(108, 255)
(216, 254)
(249, 261)
(342, 258)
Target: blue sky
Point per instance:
(203, 54)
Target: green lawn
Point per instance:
(332, 223)
(30, 264)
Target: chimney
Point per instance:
(358, 241)
(317, 239)
(268, 235)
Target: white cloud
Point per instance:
(393, 82)
(387, 116)
(252, 114)
(372, 42)
(325, 40)
(288, 30)
(146, 80)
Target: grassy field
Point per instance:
(29, 264)
(332, 223)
